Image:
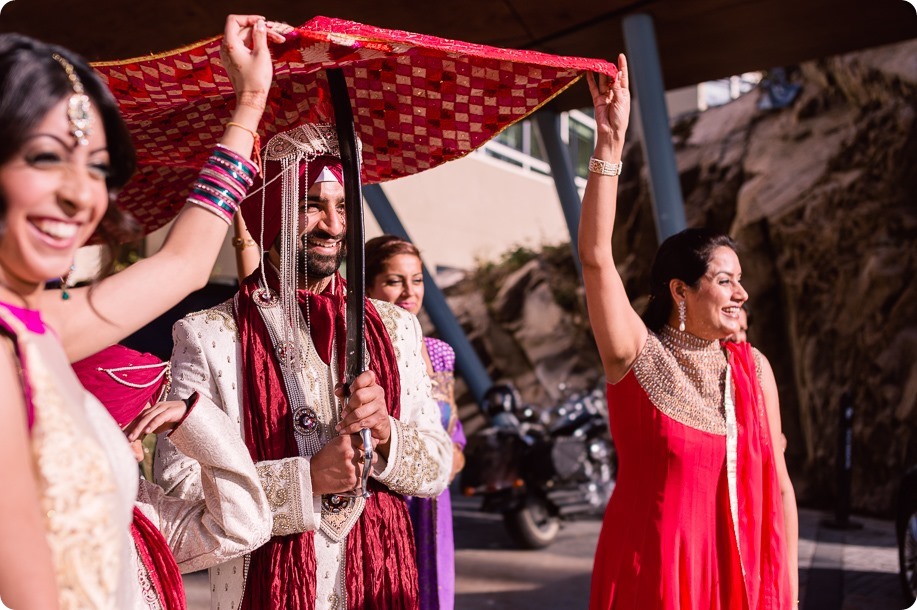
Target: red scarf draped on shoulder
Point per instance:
(762, 540)
(381, 569)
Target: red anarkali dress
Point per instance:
(696, 518)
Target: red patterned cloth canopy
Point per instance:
(418, 101)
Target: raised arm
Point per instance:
(118, 305)
(248, 254)
(618, 330)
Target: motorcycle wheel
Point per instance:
(907, 548)
(531, 526)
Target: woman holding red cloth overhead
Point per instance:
(65, 154)
(703, 515)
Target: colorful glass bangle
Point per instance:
(213, 200)
(221, 188)
(217, 174)
(238, 160)
(232, 168)
(210, 208)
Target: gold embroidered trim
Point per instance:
(337, 522)
(147, 590)
(390, 314)
(758, 356)
(222, 313)
(442, 383)
(77, 487)
(414, 467)
(443, 389)
(280, 482)
(685, 378)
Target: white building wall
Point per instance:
(475, 209)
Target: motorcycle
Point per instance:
(541, 468)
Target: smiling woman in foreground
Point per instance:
(68, 479)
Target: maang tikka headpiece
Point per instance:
(77, 105)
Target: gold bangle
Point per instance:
(240, 243)
(241, 126)
(256, 145)
(605, 168)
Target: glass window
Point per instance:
(582, 143)
(537, 146)
(512, 137)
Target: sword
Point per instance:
(355, 344)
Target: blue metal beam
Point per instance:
(646, 76)
(466, 359)
(548, 123)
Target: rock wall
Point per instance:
(822, 197)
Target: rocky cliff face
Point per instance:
(822, 197)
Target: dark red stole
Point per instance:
(159, 562)
(762, 537)
(381, 569)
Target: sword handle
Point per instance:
(367, 461)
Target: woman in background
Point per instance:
(394, 273)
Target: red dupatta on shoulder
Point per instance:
(762, 536)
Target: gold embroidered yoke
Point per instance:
(685, 378)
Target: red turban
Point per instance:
(123, 380)
(251, 207)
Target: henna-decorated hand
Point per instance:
(246, 57)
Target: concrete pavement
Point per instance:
(839, 570)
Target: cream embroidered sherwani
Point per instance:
(232, 519)
(206, 359)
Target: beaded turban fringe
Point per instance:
(293, 150)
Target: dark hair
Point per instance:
(380, 249)
(747, 309)
(31, 83)
(684, 256)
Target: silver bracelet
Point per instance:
(605, 168)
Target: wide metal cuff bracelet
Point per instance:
(598, 166)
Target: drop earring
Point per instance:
(681, 316)
(65, 282)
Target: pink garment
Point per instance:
(31, 319)
(124, 380)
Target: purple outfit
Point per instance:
(432, 517)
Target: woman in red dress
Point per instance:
(703, 515)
